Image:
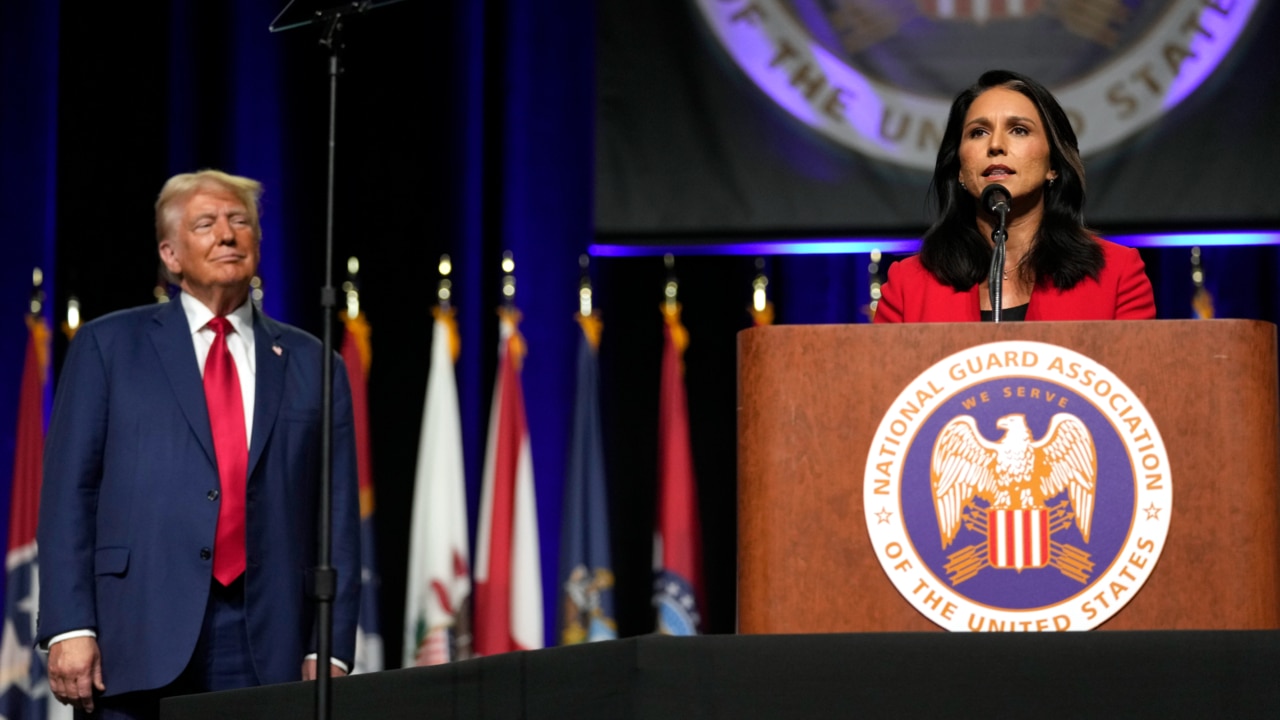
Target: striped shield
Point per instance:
(979, 10)
(1018, 538)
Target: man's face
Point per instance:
(213, 246)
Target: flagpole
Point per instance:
(678, 595)
(586, 568)
(438, 582)
(357, 356)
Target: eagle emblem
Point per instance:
(584, 610)
(1019, 478)
(864, 23)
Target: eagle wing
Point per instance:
(963, 465)
(1066, 460)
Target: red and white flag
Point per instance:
(508, 571)
(24, 683)
(436, 618)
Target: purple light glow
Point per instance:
(1203, 239)
(1221, 26)
(898, 245)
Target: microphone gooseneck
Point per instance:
(995, 199)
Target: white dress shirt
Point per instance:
(239, 344)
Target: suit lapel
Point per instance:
(171, 336)
(271, 359)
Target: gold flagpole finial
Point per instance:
(761, 308)
(163, 286)
(516, 347)
(509, 313)
(588, 318)
(443, 311)
(876, 279)
(671, 293)
(36, 324)
(353, 319)
(508, 279)
(351, 288)
(35, 304)
(671, 306)
(72, 323)
(584, 286)
(1202, 299)
(256, 291)
(444, 289)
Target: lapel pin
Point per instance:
(277, 350)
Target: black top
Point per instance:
(1010, 314)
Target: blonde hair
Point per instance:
(182, 186)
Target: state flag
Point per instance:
(508, 572)
(437, 618)
(677, 551)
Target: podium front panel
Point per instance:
(811, 398)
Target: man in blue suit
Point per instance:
(178, 512)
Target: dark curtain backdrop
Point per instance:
(463, 128)
(689, 146)
(28, 154)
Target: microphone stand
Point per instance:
(325, 577)
(995, 277)
(323, 580)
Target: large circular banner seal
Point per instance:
(1018, 486)
(878, 76)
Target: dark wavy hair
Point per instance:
(1063, 251)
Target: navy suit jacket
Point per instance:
(128, 513)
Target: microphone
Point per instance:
(996, 199)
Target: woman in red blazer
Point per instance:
(1009, 129)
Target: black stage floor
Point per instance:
(1168, 674)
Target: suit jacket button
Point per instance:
(205, 554)
(213, 495)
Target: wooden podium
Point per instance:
(810, 399)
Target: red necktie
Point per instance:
(226, 419)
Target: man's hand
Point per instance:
(309, 670)
(75, 671)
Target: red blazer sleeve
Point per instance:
(912, 294)
(889, 308)
(1135, 299)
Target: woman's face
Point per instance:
(1004, 141)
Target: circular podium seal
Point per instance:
(1018, 486)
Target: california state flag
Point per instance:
(437, 618)
(508, 572)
